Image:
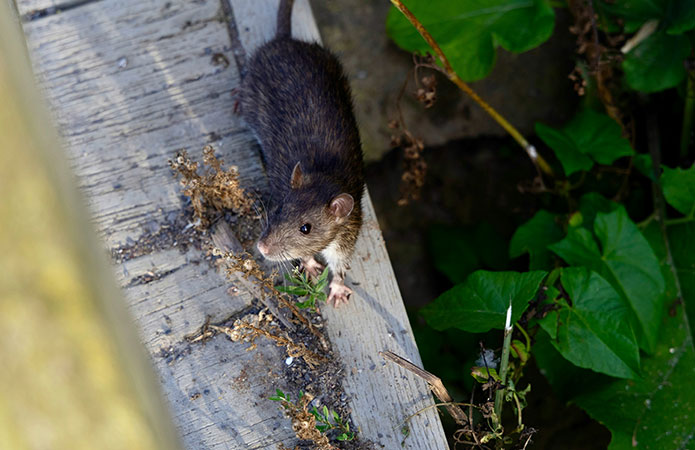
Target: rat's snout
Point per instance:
(263, 248)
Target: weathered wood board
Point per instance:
(129, 83)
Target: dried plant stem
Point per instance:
(293, 349)
(435, 384)
(504, 363)
(537, 159)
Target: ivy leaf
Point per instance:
(594, 332)
(534, 236)
(590, 136)
(566, 149)
(627, 261)
(480, 303)
(469, 32)
(567, 380)
(593, 203)
(657, 63)
(679, 188)
(655, 411)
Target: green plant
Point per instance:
(301, 285)
(324, 420)
(601, 301)
(330, 420)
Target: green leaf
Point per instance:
(480, 303)
(627, 261)
(590, 136)
(657, 63)
(469, 32)
(566, 379)
(657, 410)
(682, 238)
(677, 15)
(310, 303)
(680, 16)
(643, 163)
(594, 332)
(566, 150)
(483, 374)
(593, 203)
(533, 238)
(518, 350)
(323, 278)
(299, 291)
(679, 188)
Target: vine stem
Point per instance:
(530, 150)
(688, 112)
(504, 363)
(660, 207)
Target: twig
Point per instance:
(536, 159)
(435, 384)
(224, 239)
(594, 36)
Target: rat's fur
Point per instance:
(297, 101)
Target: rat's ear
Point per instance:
(297, 178)
(341, 206)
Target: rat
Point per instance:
(296, 99)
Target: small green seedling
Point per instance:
(282, 397)
(301, 286)
(324, 423)
(326, 419)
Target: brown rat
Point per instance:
(296, 99)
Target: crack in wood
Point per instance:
(51, 10)
(238, 49)
(150, 276)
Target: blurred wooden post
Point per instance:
(74, 374)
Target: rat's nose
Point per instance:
(262, 247)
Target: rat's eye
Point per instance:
(306, 228)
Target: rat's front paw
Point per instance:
(312, 267)
(339, 293)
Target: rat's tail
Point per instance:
(284, 25)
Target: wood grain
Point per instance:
(129, 84)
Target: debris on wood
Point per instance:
(215, 188)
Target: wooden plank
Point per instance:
(131, 83)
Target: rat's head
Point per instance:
(307, 219)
